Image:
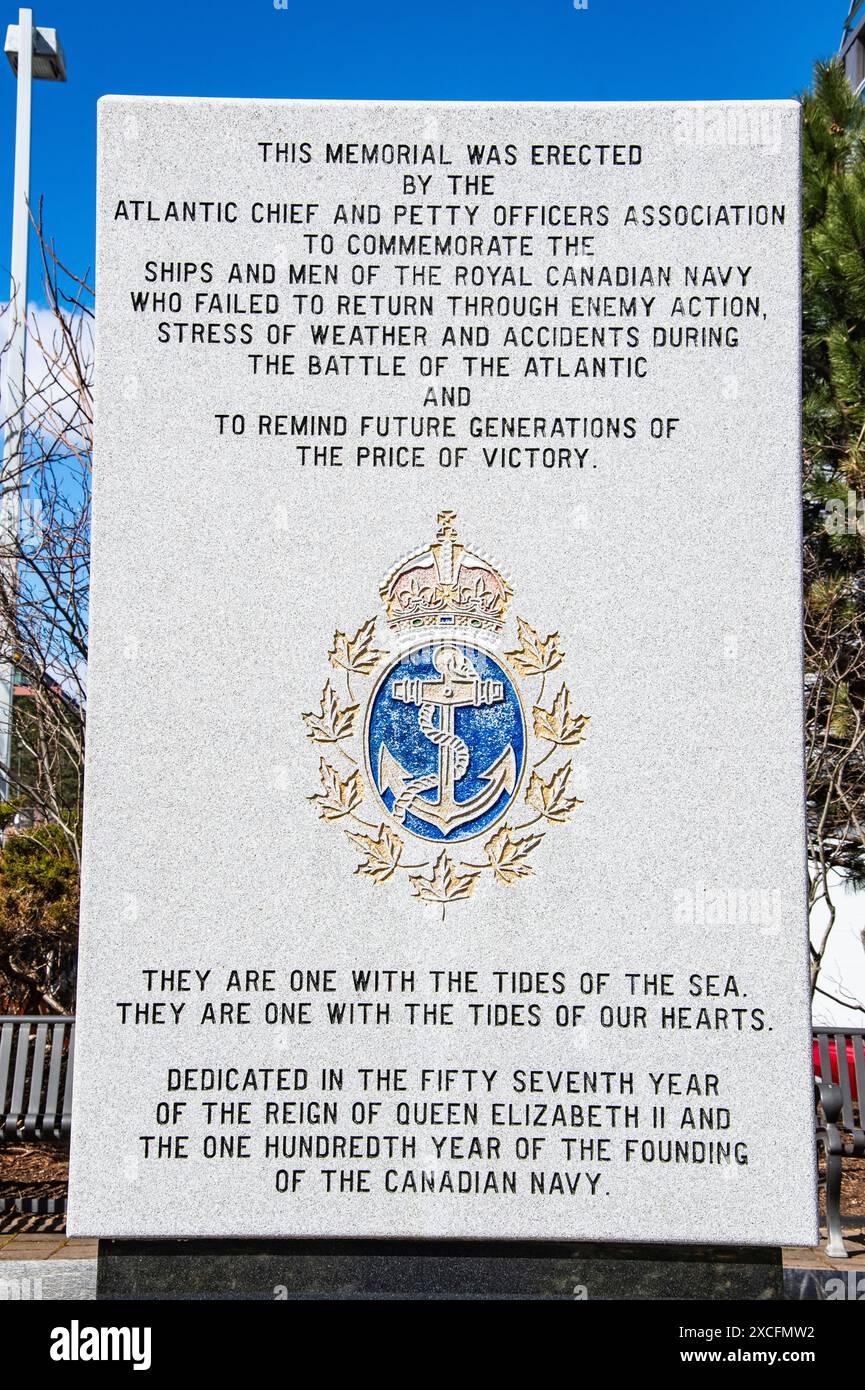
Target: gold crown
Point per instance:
(446, 584)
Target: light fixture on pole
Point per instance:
(32, 53)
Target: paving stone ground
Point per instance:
(25, 1246)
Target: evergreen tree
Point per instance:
(833, 366)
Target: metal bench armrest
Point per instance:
(831, 1101)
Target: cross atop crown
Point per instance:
(446, 584)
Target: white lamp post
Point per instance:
(32, 53)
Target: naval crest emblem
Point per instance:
(433, 742)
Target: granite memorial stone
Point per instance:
(444, 857)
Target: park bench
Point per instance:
(35, 1089)
(839, 1068)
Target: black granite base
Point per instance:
(329, 1269)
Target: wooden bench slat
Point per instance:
(31, 1119)
(66, 1117)
(22, 1054)
(845, 1081)
(859, 1073)
(51, 1111)
(825, 1058)
(7, 1033)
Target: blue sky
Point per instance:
(453, 49)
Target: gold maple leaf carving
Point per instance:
(334, 722)
(508, 856)
(445, 885)
(550, 798)
(535, 655)
(559, 725)
(356, 653)
(337, 798)
(381, 854)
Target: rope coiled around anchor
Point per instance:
(454, 744)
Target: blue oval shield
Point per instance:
(446, 741)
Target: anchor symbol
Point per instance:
(459, 687)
